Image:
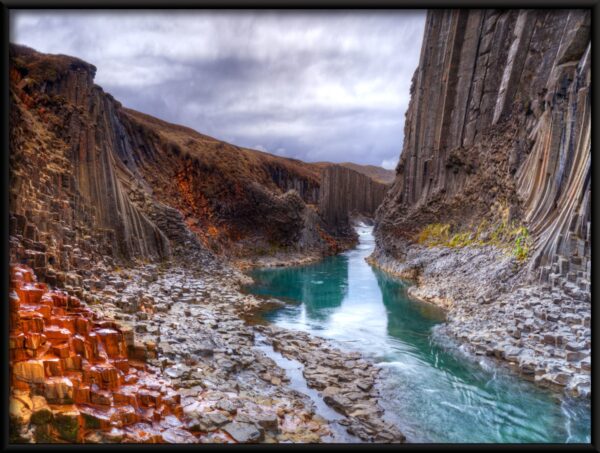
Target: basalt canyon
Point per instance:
(166, 286)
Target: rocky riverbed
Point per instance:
(541, 332)
(187, 323)
(279, 260)
(191, 323)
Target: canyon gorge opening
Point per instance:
(276, 283)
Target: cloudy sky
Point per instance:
(316, 86)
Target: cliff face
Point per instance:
(345, 192)
(499, 122)
(67, 202)
(235, 200)
(378, 174)
(94, 182)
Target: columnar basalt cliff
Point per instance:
(345, 192)
(499, 117)
(490, 209)
(93, 182)
(68, 204)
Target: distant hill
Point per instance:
(379, 174)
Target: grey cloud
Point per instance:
(314, 86)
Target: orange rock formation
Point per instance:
(78, 378)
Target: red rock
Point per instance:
(59, 299)
(110, 377)
(82, 326)
(32, 322)
(64, 322)
(121, 397)
(81, 395)
(14, 302)
(82, 361)
(31, 293)
(78, 343)
(61, 350)
(35, 340)
(74, 302)
(58, 390)
(113, 342)
(149, 398)
(29, 371)
(53, 366)
(57, 333)
(100, 396)
(72, 363)
(122, 365)
(20, 354)
(17, 341)
(128, 415)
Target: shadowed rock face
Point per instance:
(67, 199)
(235, 200)
(345, 192)
(500, 116)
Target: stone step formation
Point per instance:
(571, 269)
(78, 378)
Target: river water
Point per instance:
(431, 391)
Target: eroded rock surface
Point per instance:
(543, 334)
(93, 183)
(193, 331)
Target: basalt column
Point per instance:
(500, 116)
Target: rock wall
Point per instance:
(93, 182)
(68, 206)
(345, 192)
(308, 189)
(237, 201)
(500, 117)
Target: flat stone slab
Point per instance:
(242, 432)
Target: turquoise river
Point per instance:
(432, 391)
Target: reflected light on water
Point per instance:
(430, 391)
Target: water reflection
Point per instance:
(315, 290)
(411, 320)
(433, 394)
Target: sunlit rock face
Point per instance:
(499, 120)
(77, 378)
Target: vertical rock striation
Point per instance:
(68, 204)
(344, 192)
(500, 116)
(93, 182)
